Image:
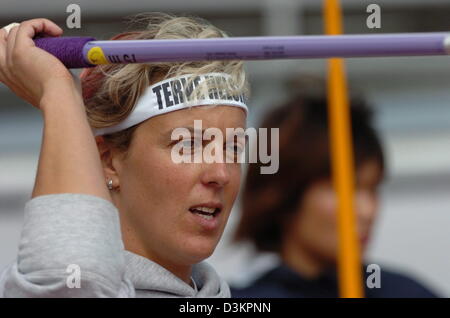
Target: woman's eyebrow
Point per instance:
(237, 133)
(168, 134)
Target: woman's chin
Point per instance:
(200, 249)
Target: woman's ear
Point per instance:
(106, 154)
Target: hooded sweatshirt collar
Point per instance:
(152, 280)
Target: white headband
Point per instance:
(170, 95)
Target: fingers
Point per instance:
(30, 28)
(3, 36)
(10, 43)
(21, 37)
(10, 26)
(4, 53)
(18, 54)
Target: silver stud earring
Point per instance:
(110, 184)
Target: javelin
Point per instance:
(76, 52)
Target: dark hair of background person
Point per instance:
(268, 200)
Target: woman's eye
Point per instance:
(189, 145)
(235, 148)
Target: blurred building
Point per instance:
(411, 98)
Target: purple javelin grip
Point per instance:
(68, 50)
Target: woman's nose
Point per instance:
(216, 174)
(366, 206)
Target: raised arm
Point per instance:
(69, 161)
(70, 219)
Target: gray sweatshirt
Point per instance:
(74, 240)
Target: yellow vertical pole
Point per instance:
(349, 263)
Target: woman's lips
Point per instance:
(207, 215)
(211, 223)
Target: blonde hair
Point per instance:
(111, 91)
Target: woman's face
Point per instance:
(315, 224)
(159, 200)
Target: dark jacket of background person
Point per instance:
(282, 282)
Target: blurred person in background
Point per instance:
(293, 212)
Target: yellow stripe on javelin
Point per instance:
(349, 262)
(96, 56)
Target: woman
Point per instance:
(115, 215)
(293, 213)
